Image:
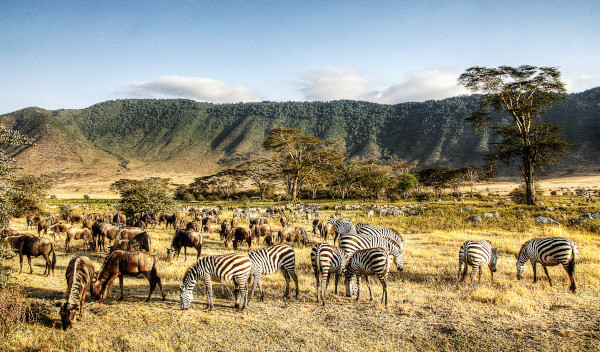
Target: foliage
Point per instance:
(436, 178)
(518, 195)
(148, 195)
(524, 93)
(406, 182)
(28, 193)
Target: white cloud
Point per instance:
(336, 83)
(196, 88)
(421, 86)
(579, 84)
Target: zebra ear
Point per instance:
(516, 256)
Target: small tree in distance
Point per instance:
(150, 195)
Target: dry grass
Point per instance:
(426, 310)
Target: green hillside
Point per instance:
(198, 137)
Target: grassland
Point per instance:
(426, 310)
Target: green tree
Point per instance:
(28, 193)
(260, 172)
(436, 178)
(524, 93)
(8, 139)
(299, 155)
(406, 182)
(149, 195)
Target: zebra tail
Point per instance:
(571, 267)
(319, 261)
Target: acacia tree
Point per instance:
(149, 195)
(300, 155)
(260, 172)
(524, 93)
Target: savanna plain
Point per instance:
(426, 309)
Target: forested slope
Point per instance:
(201, 137)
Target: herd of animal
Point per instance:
(362, 250)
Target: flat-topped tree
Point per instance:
(524, 93)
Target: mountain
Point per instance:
(149, 136)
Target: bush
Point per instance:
(424, 196)
(13, 310)
(518, 194)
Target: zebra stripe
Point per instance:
(368, 262)
(548, 252)
(327, 259)
(367, 229)
(342, 227)
(270, 259)
(351, 243)
(476, 254)
(225, 267)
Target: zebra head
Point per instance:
(493, 260)
(520, 268)
(186, 294)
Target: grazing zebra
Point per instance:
(351, 243)
(342, 227)
(367, 229)
(548, 252)
(476, 254)
(268, 260)
(80, 274)
(327, 259)
(368, 262)
(225, 267)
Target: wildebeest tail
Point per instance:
(53, 257)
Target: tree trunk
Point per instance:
(294, 190)
(527, 172)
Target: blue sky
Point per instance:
(72, 54)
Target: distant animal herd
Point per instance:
(362, 250)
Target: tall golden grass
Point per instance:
(426, 310)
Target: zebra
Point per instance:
(351, 243)
(327, 259)
(548, 252)
(80, 274)
(225, 267)
(367, 229)
(268, 260)
(476, 254)
(367, 262)
(342, 227)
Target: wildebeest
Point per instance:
(121, 263)
(32, 220)
(260, 230)
(142, 240)
(74, 218)
(125, 245)
(225, 228)
(328, 230)
(317, 226)
(119, 219)
(170, 219)
(270, 238)
(78, 234)
(239, 234)
(101, 230)
(127, 234)
(57, 229)
(42, 226)
(185, 238)
(296, 234)
(34, 246)
(80, 275)
(284, 221)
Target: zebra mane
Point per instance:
(74, 290)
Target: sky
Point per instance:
(73, 54)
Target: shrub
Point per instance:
(518, 194)
(13, 310)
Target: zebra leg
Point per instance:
(571, 271)
(244, 294)
(318, 284)
(286, 276)
(534, 266)
(255, 283)
(295, 278)
(474, 271)
(384, 296)
(209, 293)
(479, 278)
(547, 275)
(357, 286)
(462, 272)
(337, 279)
(368, 280)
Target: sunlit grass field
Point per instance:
(426, 310)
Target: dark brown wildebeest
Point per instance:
(102, 230)
(208, 221)
(42, 226)
(78, 234)
(121, 263)
(260, 230)
(234, 223)
(193, 226)
(8, 232)
(284, 222)
(142, 240)
(296, 234)
(170, 219)
(317, 226)
(74, 219)
(57, 229)
(30, 245)
(125, 245)
(80, 276)
(225, 228)
(185, 238)
(239, 234)
(270, 238)
(32, 220)
(119, 219)
(328, 230)
(127, 234)
(87, 224)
